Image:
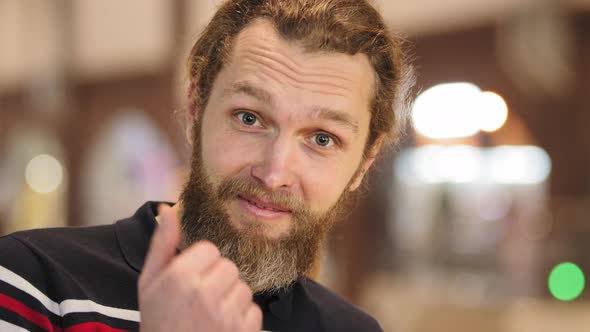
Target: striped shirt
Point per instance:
(84, 279)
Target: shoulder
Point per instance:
(32, 253)
(83, 254)
(60, 274)
(16, 257)
(337, 313)
(64, 242)
(68, 234)
(45, 257)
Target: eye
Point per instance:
(247, 118)
(323, 140)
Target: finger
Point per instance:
(162, 246)
(252, 319)
(238, 298)
(220, 278)
(197, 259)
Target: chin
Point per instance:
(260, 229)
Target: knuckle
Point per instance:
(207, 248)
(196, 288)
(245, 291)
(175, 275)
(257, 319)
(175, 281)
(253, 320)
(256, 312)
(201, 299)
(236, 323)
(229, 268)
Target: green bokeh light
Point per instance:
(566, 281)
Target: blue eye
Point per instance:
(323, 140)
(247, 118)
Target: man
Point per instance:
(290, 102)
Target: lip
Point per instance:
(264, 204)
(262, 209)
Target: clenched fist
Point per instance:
(197, 290)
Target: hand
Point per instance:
(197, 290)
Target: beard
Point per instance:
(265, 264)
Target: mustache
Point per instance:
(246, 187)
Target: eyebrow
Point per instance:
(321, 113)
(336, 116)
(246, 88)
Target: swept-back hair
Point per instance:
(343, 26)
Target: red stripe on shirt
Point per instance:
(92, 327)
(26, 312)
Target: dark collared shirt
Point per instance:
(82, 279)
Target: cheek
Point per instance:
(220, 155)
(324, 183)
(225, 153)
(325, 180)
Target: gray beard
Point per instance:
(265, 264)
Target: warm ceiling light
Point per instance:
(493, 111)
(447, 111)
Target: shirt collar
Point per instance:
(134, 234)
(279, 303)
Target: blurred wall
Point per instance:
(71, 68)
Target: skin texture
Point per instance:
(295, 96)
(292, 122)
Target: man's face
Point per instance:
(278, 147)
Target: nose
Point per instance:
(275, 169)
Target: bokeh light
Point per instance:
(514, 165)
(519, 164)
(493, 111)
(44, 173)
(566, 281)
(455, 164)
(447, 111)
(455, 110)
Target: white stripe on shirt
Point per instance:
(66, 306)
(7, 327)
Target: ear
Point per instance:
(367, 163)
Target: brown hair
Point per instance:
(344, 26)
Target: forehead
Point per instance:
(263, 58)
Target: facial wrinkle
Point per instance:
(314, 86)
(297, 81)
(295, 71)
(256, 38)
(300, 78)
(294, 66)
(259, 46)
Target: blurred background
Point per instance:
(479, 222)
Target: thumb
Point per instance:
(163, 245)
